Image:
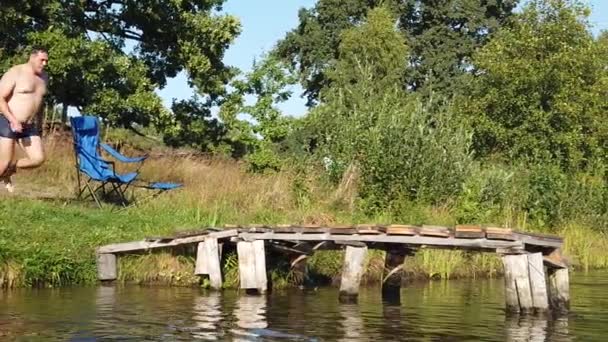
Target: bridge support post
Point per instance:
(538, 282)
(208, 261)
(252, 265)
(559, 289)
(393, 271)
(352, 270)
(518, 294)
(525, 283)
(106, 267)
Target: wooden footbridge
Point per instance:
(536, 275)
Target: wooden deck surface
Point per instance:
(458, 237)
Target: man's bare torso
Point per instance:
(28, 93)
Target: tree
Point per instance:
(540, 93)
(441, 35)
(251, 114)
(400, 146)
(107, 57)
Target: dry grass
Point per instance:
(219, 191)
(218, 186)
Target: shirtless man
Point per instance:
(22, 89)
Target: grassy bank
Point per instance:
(48, 239)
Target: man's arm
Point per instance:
(40, 114)
(7, 85)
(40, 119)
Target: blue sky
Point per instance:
(266, 21)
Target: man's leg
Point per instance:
(7, 167)
(32, 146)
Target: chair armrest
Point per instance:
(121, 157)
(88, 155)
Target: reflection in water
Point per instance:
(352, 324)
(250, 314)
(105, 297)
(462, 311)
(536, 329)
(207, 315)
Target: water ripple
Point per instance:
(438, 311)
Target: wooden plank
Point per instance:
(260, 266)
(469, 231)
(542, 236)
(201, 267)
(555, 259)
(536, 241)
(399, 229)
(352, 270)
(213, 255)
(559, 289)
(162, 239)
(246, 259)
(517, 267)
(313, 229)
(351, 243)
(511, 300)
(145, 245)
(258, 230)
(367, 229)
(410, 240)
(342, 229)
(538, 282)
(438, 231)
(106, 267)
(189, 233)
(496, 233)
(285, 228)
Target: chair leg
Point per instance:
(120, 194)
(93, 195)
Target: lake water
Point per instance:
(455, 310)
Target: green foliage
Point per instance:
(192, 125)
(442, 36)
(541, 89)
(543, 194)
(313, 45)
(252, 117)
(488, 192)
(107, 57)
(403, 148)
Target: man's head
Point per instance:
(39, 58)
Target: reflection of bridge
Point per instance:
(524, 255)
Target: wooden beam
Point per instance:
(147, 245)
(106, 267)
(214, 268)
(412, 240)
(538, 282)
(559, 289)
(252, 265)
(260, 266)
(246, 265)
(555, 259)
(352, 270)
(201, 268)
(518, 295)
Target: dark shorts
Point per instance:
(29, 130)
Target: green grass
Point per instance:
(50, 239)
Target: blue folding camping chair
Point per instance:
(89, 162)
